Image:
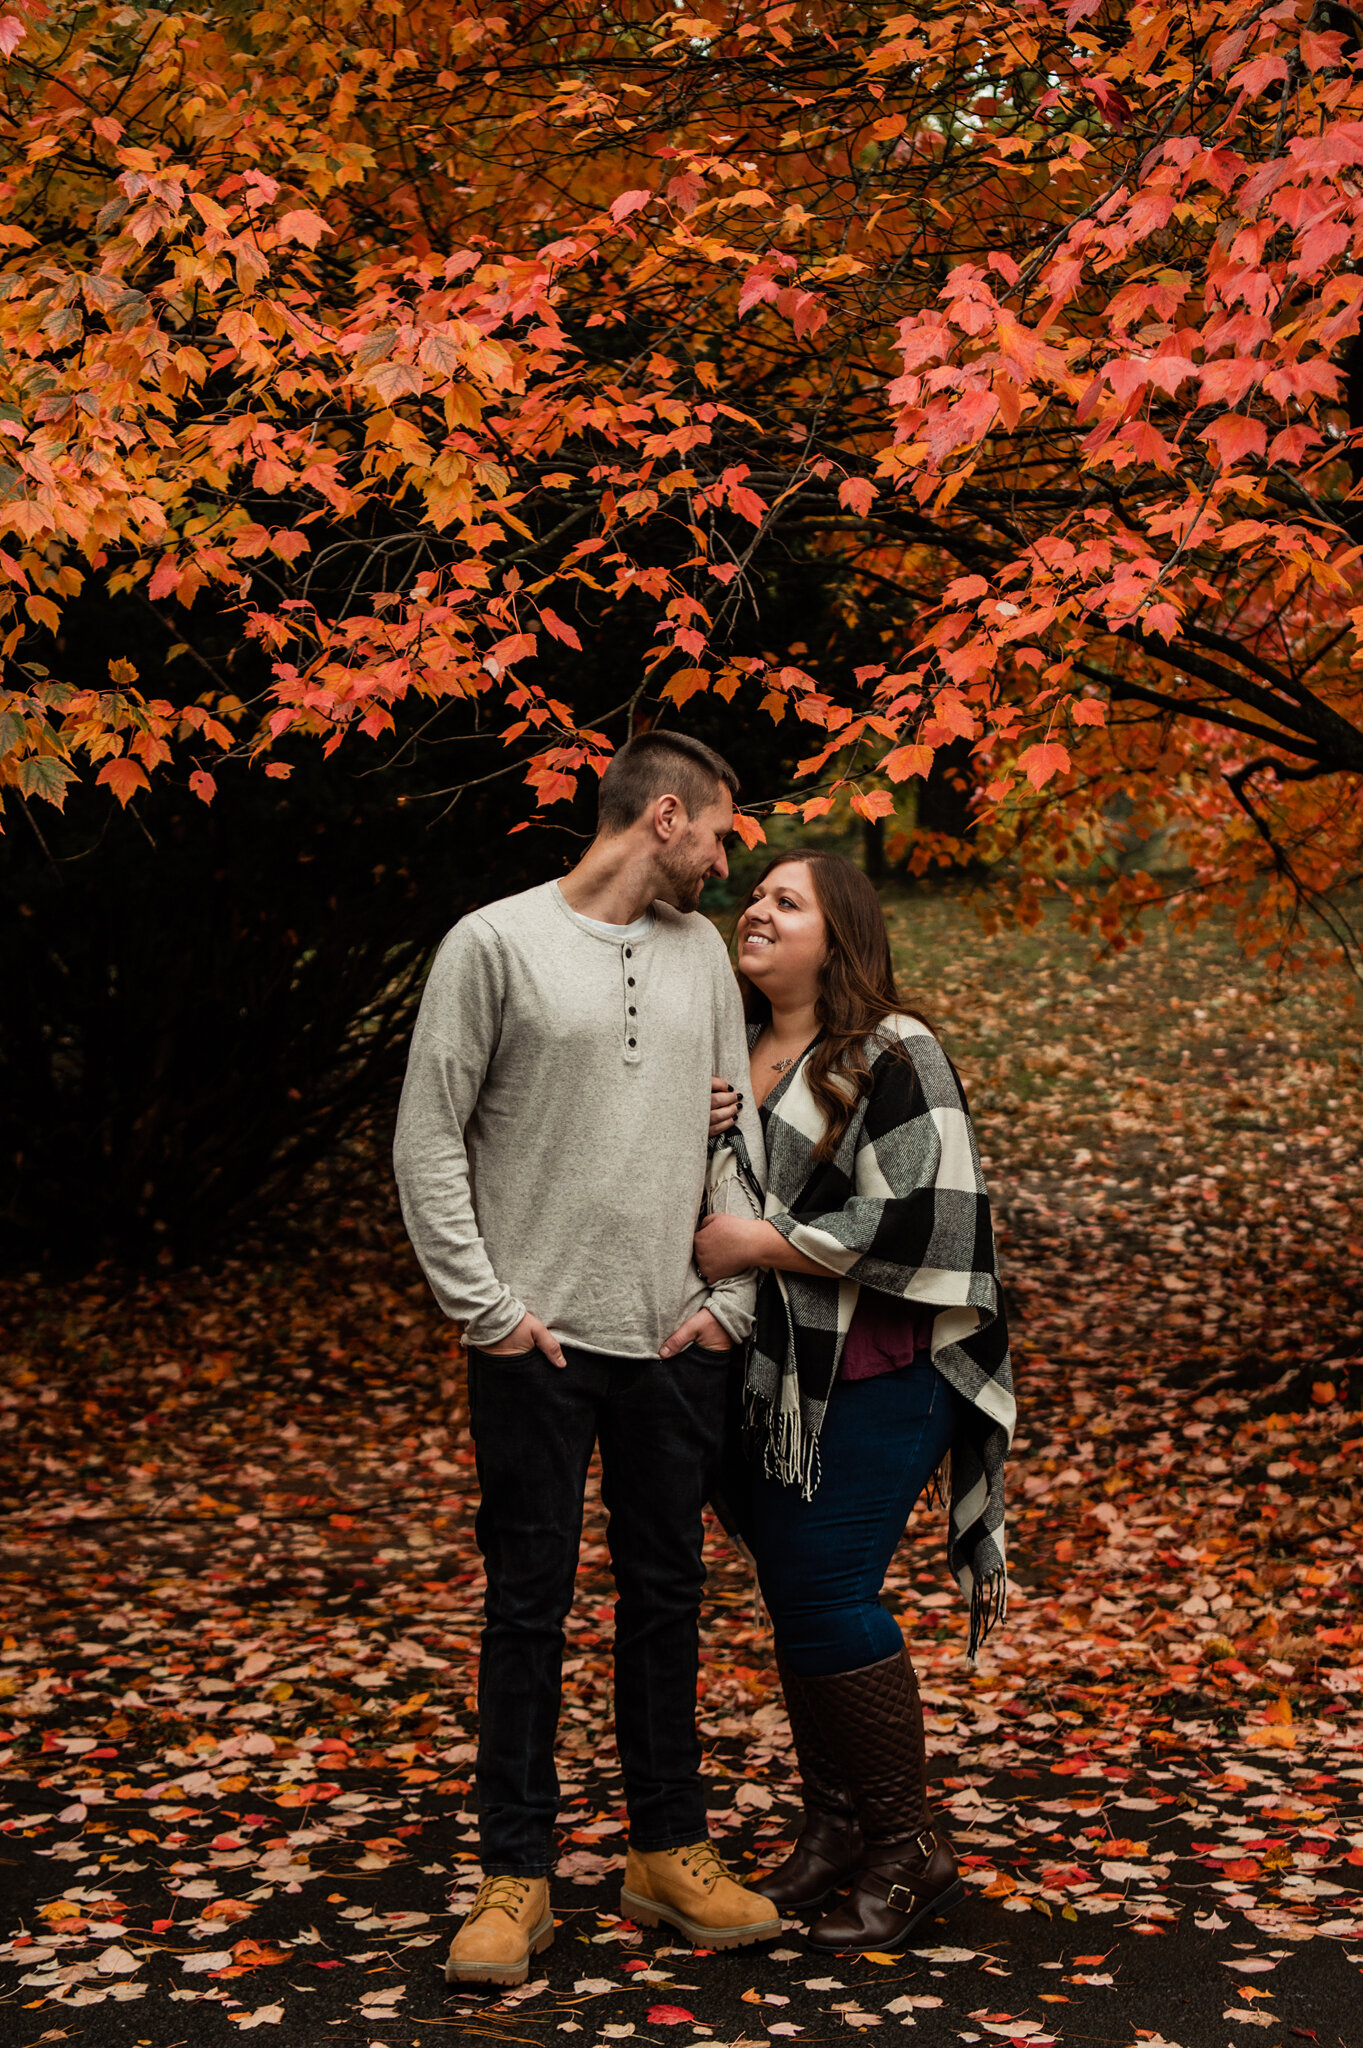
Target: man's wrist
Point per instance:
(494, 1329)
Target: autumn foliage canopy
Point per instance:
(431, 343)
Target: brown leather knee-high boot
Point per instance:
(829, 1847)
(872, 1725)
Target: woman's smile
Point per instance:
(783, 914)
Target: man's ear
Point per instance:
(669, 816)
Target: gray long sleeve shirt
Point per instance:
(551, 1143)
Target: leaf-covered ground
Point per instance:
(241, 1596)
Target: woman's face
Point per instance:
(782, 938)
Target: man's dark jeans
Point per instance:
(659, 1423)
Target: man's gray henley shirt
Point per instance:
(551, 1143)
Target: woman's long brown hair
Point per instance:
(857, 989)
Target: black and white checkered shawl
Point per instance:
(902, 1208)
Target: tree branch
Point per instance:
(1121, 690)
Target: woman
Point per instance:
(880, 1346)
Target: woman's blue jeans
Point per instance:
(822, 1562)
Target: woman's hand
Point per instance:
(726, 1245)
(724, 1105)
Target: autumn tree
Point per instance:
(450, 347)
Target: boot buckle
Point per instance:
(901, 1898)
(927, 1842)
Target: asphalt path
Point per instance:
(988, 1974)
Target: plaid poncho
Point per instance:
(901, 1207)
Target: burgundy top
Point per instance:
(885, 1334)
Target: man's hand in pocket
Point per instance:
(530, 1334)
(701, 1328)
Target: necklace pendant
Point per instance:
(780, 1066)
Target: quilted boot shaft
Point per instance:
(821, 1783)
(872, 1723)
(830, 1844)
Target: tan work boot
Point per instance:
(510, 1921)
(692, 1891)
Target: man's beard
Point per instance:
(684, 886)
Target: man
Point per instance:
(550, 1154)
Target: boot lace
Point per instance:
(702, 1861)
(507, 1893)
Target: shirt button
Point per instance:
(632, 1011)
(629, 981)
(628, 954)
(631, 1044)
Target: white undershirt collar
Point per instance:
(625, 934)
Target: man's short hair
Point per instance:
(655, 764)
